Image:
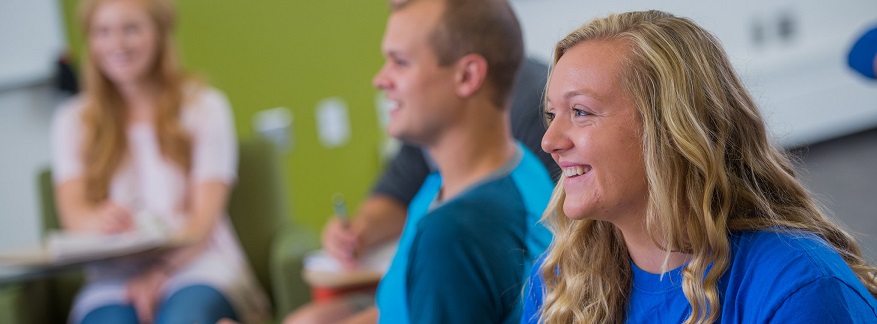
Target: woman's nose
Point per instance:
(555, 140)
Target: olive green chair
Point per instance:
(259, 214)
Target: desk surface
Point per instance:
(341, 279)
(36, 263)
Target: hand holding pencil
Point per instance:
(339, 240)
(339, 206)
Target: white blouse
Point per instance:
(147, 183)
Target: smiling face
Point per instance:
(123, 41)
(594, 135)
(420, 90)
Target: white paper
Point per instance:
(376, 260)
(333, 124)
(63, 247)
(275, 124)
(149, 233)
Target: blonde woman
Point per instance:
(144, 140)
(674, 207)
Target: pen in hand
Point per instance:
(340, 209)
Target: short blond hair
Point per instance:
(485, 27)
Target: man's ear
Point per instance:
(471, 72)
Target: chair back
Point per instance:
(257, 205)
(61, 289)
(49, 212)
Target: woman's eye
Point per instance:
(580, 112)
(549, 116)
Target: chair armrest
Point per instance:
(40, 300)
(287, 261)
(26, 303)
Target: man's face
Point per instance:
(421, 91)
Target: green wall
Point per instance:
(272, 53)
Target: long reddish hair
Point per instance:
(105, 116)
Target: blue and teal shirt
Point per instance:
(465, 260)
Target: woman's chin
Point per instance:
(574, 213)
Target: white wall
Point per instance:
(802, 84)
(32, 38)
(25, 115)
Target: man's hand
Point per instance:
(342, 242)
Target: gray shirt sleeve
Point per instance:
(404, 175)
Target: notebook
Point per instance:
(62, 247)
(323, 270)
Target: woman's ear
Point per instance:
(470, 74)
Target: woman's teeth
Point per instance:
(575, 170)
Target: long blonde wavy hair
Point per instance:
(105, 116)
(711, 171)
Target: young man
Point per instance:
(471, 229)
(471, 232)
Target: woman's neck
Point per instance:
(139, 98)
(646, 254)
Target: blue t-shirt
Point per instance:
(466, 260)
(772, 277)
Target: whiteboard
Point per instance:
(31, 39)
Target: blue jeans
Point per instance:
(192, 304)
